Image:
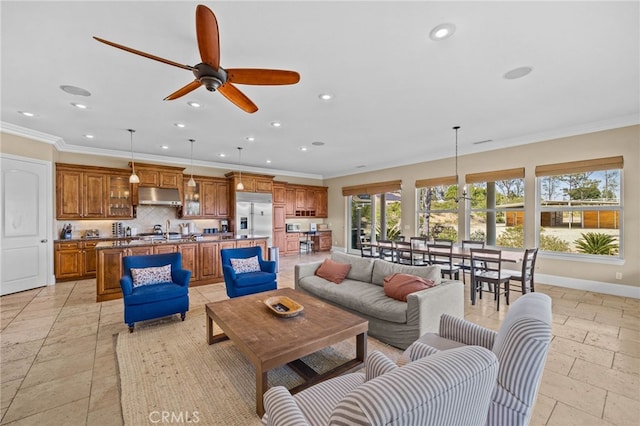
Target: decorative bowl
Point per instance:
(283, 307)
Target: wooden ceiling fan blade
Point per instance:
(146, 55)
(232, 93)
(183, 90)
(207, 34)
(258, 76)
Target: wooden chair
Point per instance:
(525, 274)
(386, 250)
(419, 258)
(486, 267)
(465, 265)
(403, 252)
(441, 253)
(367, 250)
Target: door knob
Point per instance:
(44, 241)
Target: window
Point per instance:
(580, 207)
(497, 201)
(375, 212)
(437, 208)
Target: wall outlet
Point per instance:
(618, 275)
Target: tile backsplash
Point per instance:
(147, 217)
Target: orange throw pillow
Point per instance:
(398, 286)
(333, 271)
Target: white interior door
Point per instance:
(24, 220)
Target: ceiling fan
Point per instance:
(210, 74)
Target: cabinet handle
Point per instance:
(44, 241)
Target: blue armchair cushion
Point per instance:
(152, 275)
(242, 266)
(156, 293)
(254, 278)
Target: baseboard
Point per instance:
(588, 285)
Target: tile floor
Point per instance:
(58, 360)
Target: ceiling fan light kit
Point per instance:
(209, 73)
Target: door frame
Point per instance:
(48, 207)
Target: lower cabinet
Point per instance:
(75, 260)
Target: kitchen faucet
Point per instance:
(167, 224)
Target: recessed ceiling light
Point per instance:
(276, 124)
(180, 125)
(73, 90)
(89, 136)
(517, 73)
(303, 148)
(194, 104)
(222, 155)
(442, 32)
(268, 161)
(250, 138)
(164, 147)
(27, 113)
(325, 96)
(79, 106)
(317, 143)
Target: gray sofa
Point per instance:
(391, 321)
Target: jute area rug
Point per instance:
(169, 374)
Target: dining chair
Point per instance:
(403, 252)
(486, 267)
(441, 254)
(419, 251)
(306, 242)
(525, 274)
(367, 250)
(386, 250)
(465, 264)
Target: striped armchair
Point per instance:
(448, 388)
(521, 346)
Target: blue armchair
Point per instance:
(241, 284)
(153, 294)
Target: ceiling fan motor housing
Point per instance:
(210, 78)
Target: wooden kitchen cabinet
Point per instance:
(209, 198)
(306, 201)
(324, 240)
(159, 176)
(68, 260)
(292, 242)
(86, 192)
(165, 248)
(208, 267)
(109, 273)
(190, 259)
(89, 258)
(279, 193)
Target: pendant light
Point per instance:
(134, 177)
(240, 186)
(191, 182)
(464, 188)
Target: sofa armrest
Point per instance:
(304, 270)
(126, 284)
(267, 266)
(425, 307)
(181, 276)
(466, 332)
(281, 409)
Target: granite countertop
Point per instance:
(132, 242)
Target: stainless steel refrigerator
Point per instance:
(254, 215)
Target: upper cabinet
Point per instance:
(251, 182)
(84, 192)
(306, 201)
(208, 199)
(156, 176)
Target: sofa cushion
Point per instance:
(357, 296)
(382, 269)
(151, 275)
(333, 271)
(398, 286)
(242, 266)
(361, 268)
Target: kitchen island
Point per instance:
(201, 257)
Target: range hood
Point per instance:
(159, 196)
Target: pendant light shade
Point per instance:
(240, 186)
(191, 182)
(134, 177)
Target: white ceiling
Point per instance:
(397, 93)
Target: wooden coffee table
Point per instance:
(269, 341)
